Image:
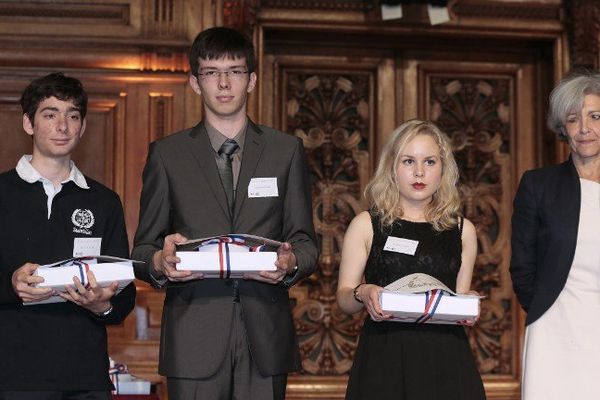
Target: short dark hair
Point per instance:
(220, 42)
(54, 85)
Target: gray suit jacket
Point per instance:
(182, 193)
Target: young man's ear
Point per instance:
(252, 82)
(27, 125)
(83, 125)
(195, 85)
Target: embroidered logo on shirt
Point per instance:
(83, 219)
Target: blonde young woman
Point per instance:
(413, 196)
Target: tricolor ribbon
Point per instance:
(224, 263)
(83, 269)
(114, 375)
(432, 300)
(223, 243)
(234, 240)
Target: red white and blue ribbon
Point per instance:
(83, 269)
(233, 240)
(432, 300)
(224, 262)
(223, 243)
(114, 375)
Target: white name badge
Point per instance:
(87, 247)
(401, 245)
(263, 187)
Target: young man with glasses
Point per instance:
(49, 211)
(234, 338)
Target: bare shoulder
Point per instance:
(362, 221)
(469, 232)
(360, 230)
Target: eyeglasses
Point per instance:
(215, 74)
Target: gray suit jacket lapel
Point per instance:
(205, 156)
(253, 147)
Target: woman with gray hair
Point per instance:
(555, 263)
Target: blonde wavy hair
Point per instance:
(382, 192)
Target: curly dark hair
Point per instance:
(53, 85)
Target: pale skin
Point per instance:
(419, 163)
(56, 130)
(583, 135)
(225, 101)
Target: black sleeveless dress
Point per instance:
(405, 361)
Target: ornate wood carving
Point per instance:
(330, 112)
(583, 29)
(477, 114)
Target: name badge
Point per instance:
(87, 247)
(263, 187)
(401, 245)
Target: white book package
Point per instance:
(126, 383)
(228, 256)
(106, 269)
(422, 298)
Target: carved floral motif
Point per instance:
(476, 114)
(582, 20)
(331, 115)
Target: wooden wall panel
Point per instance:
(116, 18)
(102, 142)
(14, 142)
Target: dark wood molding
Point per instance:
(46, 12)
(340, 5)
(583, 30)
(240, 15)
(505, 10)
